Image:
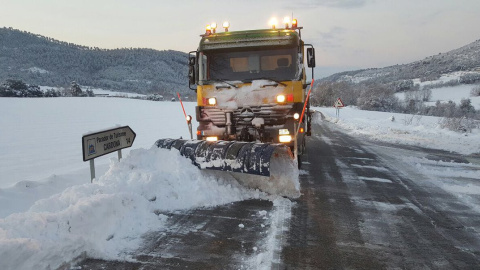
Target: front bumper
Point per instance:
(262, 123)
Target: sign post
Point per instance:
(104, 142)
(338, 104)
(92, 170)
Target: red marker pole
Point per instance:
(296, 129)
(304, 106)
(181, 103)
(187, 118)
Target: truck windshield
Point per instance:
(247, 65)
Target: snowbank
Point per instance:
(408, 129)
(106, 219)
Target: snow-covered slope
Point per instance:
(445, 93)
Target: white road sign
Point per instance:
(338, 103)
(107, 141)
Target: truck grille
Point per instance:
(272, 115)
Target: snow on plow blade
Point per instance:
(268, 167)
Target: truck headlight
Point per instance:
(281, 98)
(212, 139)
(212, 101)
(285, 138)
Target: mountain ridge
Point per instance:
(41, 60)
(465, 58)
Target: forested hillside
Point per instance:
(40, 60)
(466, 58)
(377, 89)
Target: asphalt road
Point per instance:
(363, 206)
(222, 237)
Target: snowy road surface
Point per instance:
(222, 237)
(378, 206)
(364, 205)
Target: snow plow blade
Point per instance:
(266, 166)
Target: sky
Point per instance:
(347, 34)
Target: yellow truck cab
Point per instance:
(251, 86)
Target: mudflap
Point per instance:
(271, 166)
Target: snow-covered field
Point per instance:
(455, 94)
(97, 91)
(51, 213)
(448, 93)
(42, 137)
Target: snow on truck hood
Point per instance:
(259, 92)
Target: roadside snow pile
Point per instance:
(107, 218)
(403, 129)
(445, 169)
(21, 196)
(458, 179)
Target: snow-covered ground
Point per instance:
(455, 94)
(51, 213)
(41, 137)
(408, 129)
(97, 91)
(454, 76)
(450, 93)
(100, 91)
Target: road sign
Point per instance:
(338, 103)
(106, 141)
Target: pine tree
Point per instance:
(76, 90)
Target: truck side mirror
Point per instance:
(311, 57)
(191, 70)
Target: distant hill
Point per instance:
(376, 88)
(466, 58)
(41, 60)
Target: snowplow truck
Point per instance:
(252, 105)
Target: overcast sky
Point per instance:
(347, 34)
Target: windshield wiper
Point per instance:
(224, 81)
(270, 79)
